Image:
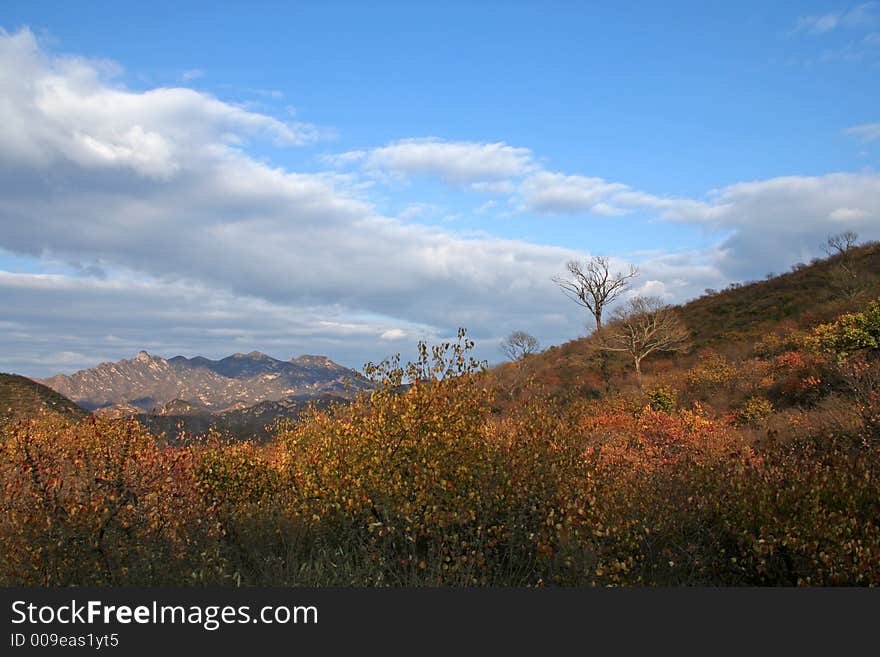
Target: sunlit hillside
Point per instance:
(751, 456)
(21, 397)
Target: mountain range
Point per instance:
(147, 383)
(239, 394)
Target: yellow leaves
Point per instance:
(430, 486)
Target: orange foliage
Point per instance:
(422, 482)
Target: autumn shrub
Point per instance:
(713, 379)
(711, 372)
(802, 378)
(861, 379)
(850, 333)
(100, 503)
(753, 411)
(421, 481)
(424, 484)
(774, 344)
(802, 514)
(662, 398)
(805, 514)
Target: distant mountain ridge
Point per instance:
(178, 418)
(148, 383)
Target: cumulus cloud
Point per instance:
(176, 240)
(547, 192)
(494, 187)
(167, 318)
(67, 111)
(452, 161)
(766, 222)
(784, 219)
(157, 183)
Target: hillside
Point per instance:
(729, 321)
(753, 459)
(179, 419)
(759, 471)
(21, 398)
(806, 295)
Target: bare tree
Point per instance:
(846, 277)
(518, 345)
(841, 243)
(643, 326)
(592, 284)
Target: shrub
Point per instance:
(713, 371)
(662, 398)
(420, 482)
(850, 333)
(754, 411)
(100, 503)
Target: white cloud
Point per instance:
(452, 161)
(68, 111)
(393, 334)
(157, 184)
(784, 219)
(792, 203)
(183, 243)
(486, 207)
(495, 187)
(817, 24)
(847, 215)
(416, 210)
(866, 132)
(343, 160)
(551, 193)
(167, 318)
(861, 15)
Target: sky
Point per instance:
(345, 178)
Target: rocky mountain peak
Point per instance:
(149, 381)
(252, 355)
(307, 360)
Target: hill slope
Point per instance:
(21, 397)
(729, 321)
(806, 295)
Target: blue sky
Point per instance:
(360, 176)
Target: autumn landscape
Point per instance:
(514, 295)
(743, 452)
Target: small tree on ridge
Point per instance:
(643, 326)
(591, 284)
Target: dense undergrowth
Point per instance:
(759, 471)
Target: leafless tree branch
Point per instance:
(518, 345)
(643, 326)
(592, 285)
